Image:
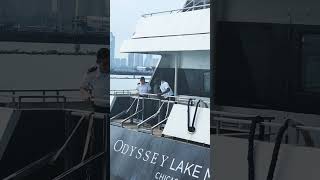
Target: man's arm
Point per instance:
(164, 92)
(166, 87)
(137, 88)
(84, 93)
(85, 87)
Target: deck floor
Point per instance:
(133, 126)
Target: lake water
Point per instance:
(125, 82)
(23, 71)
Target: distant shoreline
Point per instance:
(138, 73)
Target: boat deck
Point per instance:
(147, 128)
(85, 106)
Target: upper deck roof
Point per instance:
(175, 31)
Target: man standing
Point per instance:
(165, 89)
(95, 84)
(143, 87)
(95, 88)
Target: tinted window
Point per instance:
(194, 82)
(311, 63)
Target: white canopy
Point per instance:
(183, 31)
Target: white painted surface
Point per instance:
(187, 60)
(191, 22)
(167, 44)
(185, 31)
(112, 100)
(177, 124)
(229, 159)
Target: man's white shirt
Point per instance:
(163, 87)
(98, 83)
(143, 88)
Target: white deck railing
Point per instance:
(193, 8)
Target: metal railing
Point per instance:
(137, 100)
(180, 99)
(170, 100)
(123, 92)
(242, 122)
(125, 112)
(43, 92)
(178, 10)
(41, 97)
(270, 124)
(152, 116)
(51, 158)
(16, 97)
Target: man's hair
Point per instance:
(142, 78)
(102, 54)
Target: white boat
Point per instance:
(158, 127)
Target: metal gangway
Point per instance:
(133, 116)
(69, 102)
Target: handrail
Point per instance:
(269, 124)
(191, 128)
(23, 93)
(14, 92)
(125, 111)
(138, 110)
(179, 98)
(122, 92)
(55, 157)
(37, 90)
(162, 121)
(41, 97)
(158, 124)
(238, 115)
(132, 115)
(176, 10)
(152, 116)
(77, 112)
(22, 173)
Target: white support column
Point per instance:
(176, 60)
(77, 9)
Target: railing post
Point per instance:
(142, 116)
(218, 128)
(13, 96)
(64, 101)
(159, 117)
(19, 101)
(43, 94)
(57, 93)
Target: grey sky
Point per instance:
(124, 15)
